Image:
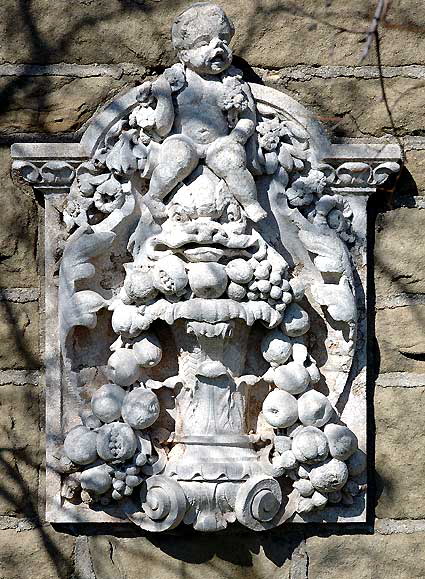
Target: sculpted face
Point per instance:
(204, 225)
(201, 36)
(209, 55)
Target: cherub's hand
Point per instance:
(161, 88)
(145, 92)
(175, 76)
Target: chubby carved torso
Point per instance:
(198, 114)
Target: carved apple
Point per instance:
(96, 479)
(314, 409)
(280, 409)
(207, 280)
(295, 321)
(140, 408)
(80, 445)
(276, 348)
(106, 402)
(126, 320)
(293, 378)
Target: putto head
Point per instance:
(201, 36)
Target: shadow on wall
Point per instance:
(19, 461)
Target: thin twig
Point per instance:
(381, 10)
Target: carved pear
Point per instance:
(147, 350)
(123, 367)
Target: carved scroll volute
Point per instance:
(206, 333)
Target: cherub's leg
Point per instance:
(227, 159)
(177, 159)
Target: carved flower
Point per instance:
(269, 132)
(303, 189)
(121, 159)
(144, 94)
(88, 178)
(109, 195)
(143, 117)
(336, 213)
(233, 97)
(175, 77)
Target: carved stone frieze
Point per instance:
(205, 302)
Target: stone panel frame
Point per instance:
(50, 169)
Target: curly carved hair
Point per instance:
(200, 18)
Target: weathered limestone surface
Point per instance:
(22, 452)
(400, 237)
(210, 557)
(52, 104)
(366, 557)
(401, 339)
(400, 473)
(326, 32)
(19, 335)
(353, 107)
(18, 231)
(87, 32)
(40, 553)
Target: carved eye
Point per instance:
(179, 217)
(233, 213)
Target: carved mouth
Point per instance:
(212, 311)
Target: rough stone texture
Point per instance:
(21, 449)
(136, 31)
(40, 553)
(415, 165)
(367, 557)
(399, 241)
(325, 32)
(52, 104)
(352, 107)
(19, 335)
(18, 231)
(401, 339)
(398, 446)
(209, 557)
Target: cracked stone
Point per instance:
(178, 556)
(400, 472)
(366, 556)
(19, 340)
(399, 242)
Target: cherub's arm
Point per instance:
(164, 112)
(252, 146)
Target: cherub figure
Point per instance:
(203, 111)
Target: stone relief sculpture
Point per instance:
(206, 335)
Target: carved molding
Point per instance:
(205, 339)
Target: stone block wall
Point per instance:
(62, 61)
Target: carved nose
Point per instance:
(216, 43)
